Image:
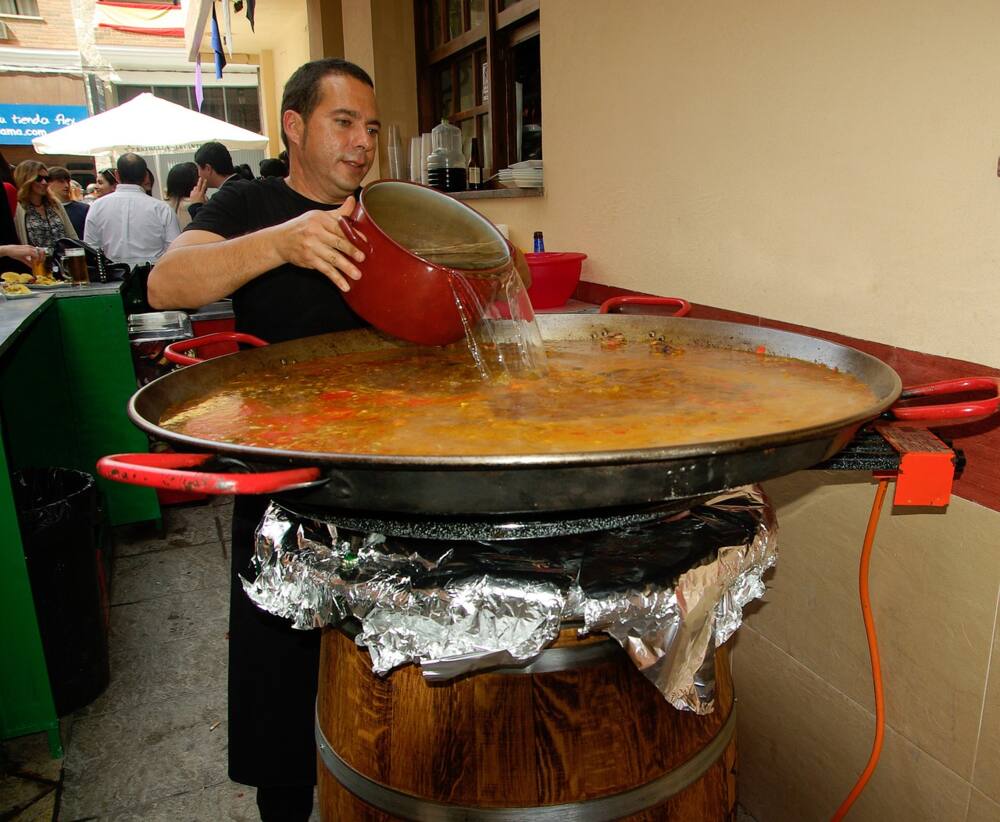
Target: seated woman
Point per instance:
(40, 219)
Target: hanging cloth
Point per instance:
(227, 28)
(220, 57)
(199, 90)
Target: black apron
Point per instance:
(273, 669)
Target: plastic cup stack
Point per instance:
(394, 148)
(416, 163)
(426, 147)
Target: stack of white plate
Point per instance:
(527, 174)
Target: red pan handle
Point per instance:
(355, 237)
(162, 471)
(173, 351)
(616, 304)
(956, 411)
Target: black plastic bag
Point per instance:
(134, 290)
(99, 267)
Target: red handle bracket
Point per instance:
(163, 471)
(619, 305)
(955, 412)
(173, 351)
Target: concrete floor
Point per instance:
(152, 747)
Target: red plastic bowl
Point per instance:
(554, 277)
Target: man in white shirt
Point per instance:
(128, 225)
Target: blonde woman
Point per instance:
(40, 219)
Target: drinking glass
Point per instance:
(41, 266)
(75, 262)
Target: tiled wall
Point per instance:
(803, 679)
(801, 665)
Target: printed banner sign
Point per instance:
(162, 19)
(19, 123)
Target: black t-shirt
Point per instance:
(287, 302)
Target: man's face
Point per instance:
(60, 188)
(336, 145)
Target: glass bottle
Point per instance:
(475, 170)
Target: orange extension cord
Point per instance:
(866, 613)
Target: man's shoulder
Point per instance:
(249, 194)
(254, 185)
(149, 203)
(100, 204)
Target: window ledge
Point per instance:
(498, 193)
(24, 17)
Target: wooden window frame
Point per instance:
(18, 12)
(501, 30)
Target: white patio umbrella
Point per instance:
(146, 125)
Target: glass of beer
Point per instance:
(40, 267)
(75, 263)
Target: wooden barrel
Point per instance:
(580, 735)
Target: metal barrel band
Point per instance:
(568, 658)
(551, 660)
(616, 806)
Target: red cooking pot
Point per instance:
(428, 258)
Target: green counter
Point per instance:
(65, 378)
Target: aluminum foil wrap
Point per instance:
(669, 591)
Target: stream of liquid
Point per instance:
(500, 330)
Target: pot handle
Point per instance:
(955, 412)
(173, 351)
(162, 471)
(616, 305)
(350, 229)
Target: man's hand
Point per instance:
(197, 194)
(316, 240)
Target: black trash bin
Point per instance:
(59, 516)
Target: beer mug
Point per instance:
(75, 265)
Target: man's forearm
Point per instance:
(193, 274)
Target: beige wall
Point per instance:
(395, 72)
(830, 165)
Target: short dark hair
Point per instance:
(59, 173)
(131, 169)
(302, 89)
(181, 179)
(273, 167)
(215, 155)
